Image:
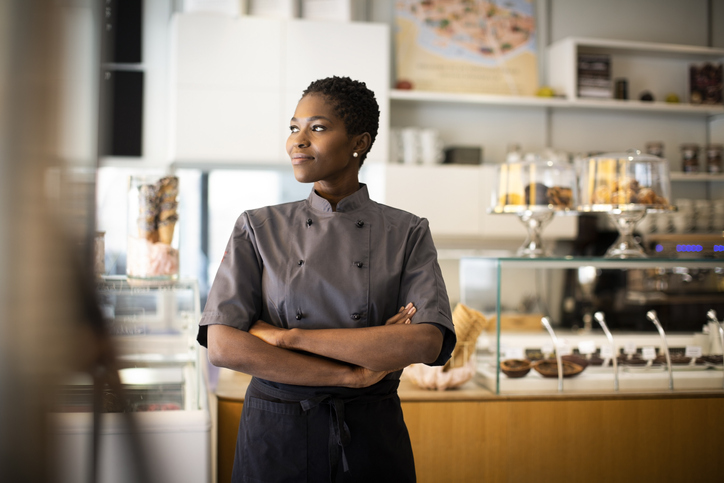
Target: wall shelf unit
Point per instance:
(659, 68)
(698, 177)
(554, 102)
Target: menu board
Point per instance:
(484, 47)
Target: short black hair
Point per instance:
(353, 102)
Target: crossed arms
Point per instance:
(325, 357)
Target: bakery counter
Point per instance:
(470, 434)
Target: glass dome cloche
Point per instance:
(625, 185)
(535, 189)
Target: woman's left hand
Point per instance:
(268, 333)
(403, 316)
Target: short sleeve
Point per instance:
(235, 295)
(422, 283)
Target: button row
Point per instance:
(359, 223)
(300, 315)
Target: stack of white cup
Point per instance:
(682, 220)
(647, 224)
(717, 215)
(703, 216)
(413, 145)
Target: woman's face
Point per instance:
(318, 144)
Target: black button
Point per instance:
(300, 262)
(356, 316)
(309, 222)
(360, 223)
(299, 314)
(359, 264)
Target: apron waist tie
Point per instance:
(339, 433)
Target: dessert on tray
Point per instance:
(537, 184)
(624, 181)
(535, 190)
(626, 186)
(153, 211)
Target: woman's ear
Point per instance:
(362, 143)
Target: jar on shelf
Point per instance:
(152, 252)
(690, 158)
(655, 148)
(713, 158)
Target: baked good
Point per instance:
(635, 361)
(549, 368)
(158, 210)
(166, 228)
(712, 359)
(560, 196)
(536, 194)
(515, 368)
(580, 360)
(469, 323)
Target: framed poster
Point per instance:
(485, 47)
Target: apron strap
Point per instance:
(339, 434)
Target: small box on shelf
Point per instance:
(594, 76)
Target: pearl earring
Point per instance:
(354, 154)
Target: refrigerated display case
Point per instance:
(159, 417)
(649, 307)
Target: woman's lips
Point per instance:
(301, 158)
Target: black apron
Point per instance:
(311, 434)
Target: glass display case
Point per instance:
(153, 330)
(162, 401)
(613, 324)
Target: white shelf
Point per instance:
(670, 50)
(680, 176)
(488, 99)
(554, 102)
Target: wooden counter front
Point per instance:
(472, 435)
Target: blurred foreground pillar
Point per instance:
(41, 259)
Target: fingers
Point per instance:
(411, 309)
(403, 315)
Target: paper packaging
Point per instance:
(463, 155)
(338, 10)
(273, 8)
(227, 7)
(594, 76)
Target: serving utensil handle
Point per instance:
(547, 324)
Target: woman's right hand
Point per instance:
(363, 377)
(403, 316)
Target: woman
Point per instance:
(323, 302)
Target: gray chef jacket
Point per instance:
(303, 265)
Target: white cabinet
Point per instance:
(225, 93)
(455, 200)
(358, 50)
(235, 81)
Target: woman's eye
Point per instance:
(293, 128)
(318, 128)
